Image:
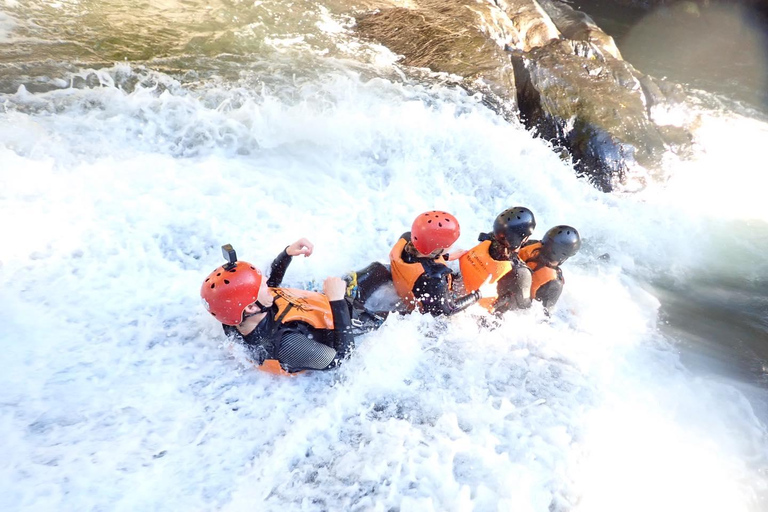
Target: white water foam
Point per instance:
(120, 393)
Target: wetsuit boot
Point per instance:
(361, 284)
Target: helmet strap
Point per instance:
(262, 309)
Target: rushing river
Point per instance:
(136, 139)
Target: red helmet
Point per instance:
(434, 230)
(229, 289)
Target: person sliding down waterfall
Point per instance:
(496, 258)
(544, 259)
(419, 272)
(286, 330)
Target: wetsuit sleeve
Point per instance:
(549, 293)
(462, 303)
(435, 296)
(514, 289)
(278, 268)
(342, 338)
(259, 348)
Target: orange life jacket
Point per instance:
(542, 274)
(293, 305)
(476, 265)
(405, 275)
(312, 308)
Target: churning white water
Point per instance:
(119, 392)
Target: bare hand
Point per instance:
(334, 288)
(488, 289)
(300, 246)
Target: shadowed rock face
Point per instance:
(548, 64)
(593, 105)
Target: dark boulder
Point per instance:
(593, 105)
(550, 65)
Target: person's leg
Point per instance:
(361, 284)
(364, 320)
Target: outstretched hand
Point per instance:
(488, 289)
(334, 288)
(300, 246)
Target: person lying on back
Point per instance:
(419, 271)
(544, 259)
(286, 330)
(495, 260)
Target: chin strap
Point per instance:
(262, 309)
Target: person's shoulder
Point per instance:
(404, 237)
(434, 269)
(483, 237)
(523, 271)
(517, 272)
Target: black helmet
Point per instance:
(560, 243)
(513, 226)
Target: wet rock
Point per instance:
(592, 104)
(126, 79)
(563, 74)
(532, 26)
(92, 80)
(87, 81)
(78, 82)
(448, 38)
(578, 26)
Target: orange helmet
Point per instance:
(434, 230)
(229, 289)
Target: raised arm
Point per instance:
(280, 264)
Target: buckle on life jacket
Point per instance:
(365, 321)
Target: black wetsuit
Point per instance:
(297, 345)
(433, 289)
(514, 287)
(549, 292)
(367, 281)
